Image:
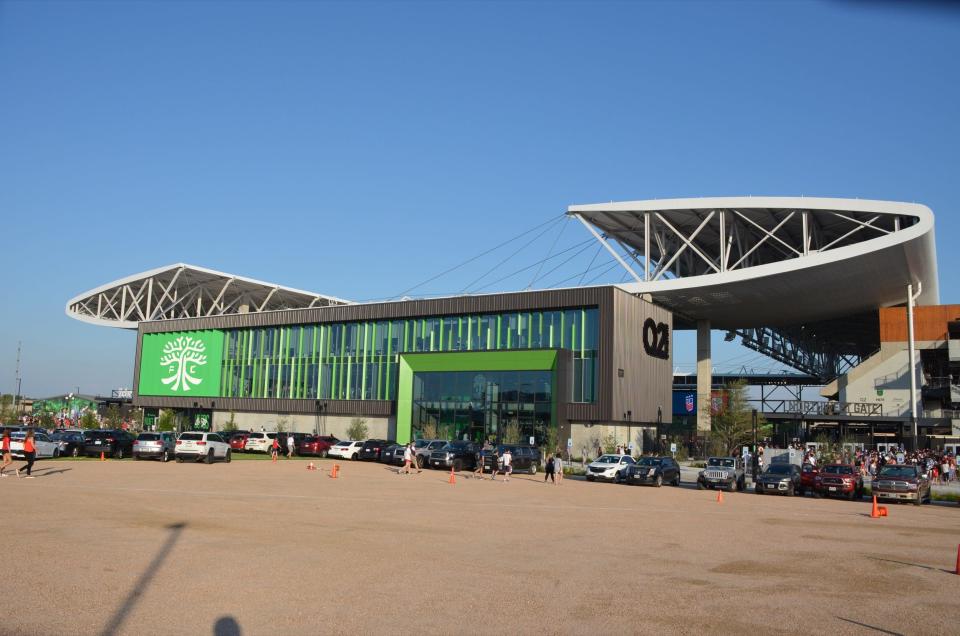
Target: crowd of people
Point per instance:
(940, 465)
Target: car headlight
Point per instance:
(651, 471)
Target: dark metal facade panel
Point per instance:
(516, 301)
(647, 381)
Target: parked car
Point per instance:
(779, 479)
(902, 482)
(114, 443)
(261, 442)
(524, 458)
(393, 454)
(198, 446)
(808, 479)
(159, 445)
(370, 450)
(316, 445)
(654, 471)
(609, 467)
(423, 448)
(835, 480)
(349, 449)
(71, 442)
(238, 442)
(725, 473)
(45, 447)
(456, 455)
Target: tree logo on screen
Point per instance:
(656, 339)
(182, 356)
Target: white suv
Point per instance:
(261, 442)
(205, 446)
(609, 467)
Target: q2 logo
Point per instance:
(656, 339)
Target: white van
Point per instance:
(260, 442)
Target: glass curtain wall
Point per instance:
(359, 360)
(506, 406)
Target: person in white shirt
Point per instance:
(409, 457)
(289, 445)
(507, 464)
(558, 468)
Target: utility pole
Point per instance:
(16, 389)
(911, 344)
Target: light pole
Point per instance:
(911, 299)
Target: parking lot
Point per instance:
(264, 548)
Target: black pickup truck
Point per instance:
(456, 455)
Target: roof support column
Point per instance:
(704, 376)
(646, 246)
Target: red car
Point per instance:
(839, 480)
(808, 479)
(318, 445)
(237, 442)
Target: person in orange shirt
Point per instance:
(5, 448)
(275, 448)
(30, 453)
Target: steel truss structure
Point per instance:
(769, 268)
(185, 291)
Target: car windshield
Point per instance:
(724, 462)
(99, 434)
(257, 435)
(838, 470)
(608, 459)
(898, 471)
(457, 445)
(779, 469)
(147, 437)
(192, 436)
(649, 461)
(437, 444)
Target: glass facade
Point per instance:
(482, 405)
(359, 360)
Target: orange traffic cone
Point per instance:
(453, 477)
(335, 472)
(102, 457)
(882, 510)
(875, 513)
(719, 496)
(957, 571)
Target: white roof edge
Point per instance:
(809, 203)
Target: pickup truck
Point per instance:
(902, 482)
(838, 480)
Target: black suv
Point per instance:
(456, 455)
(779, 478)
(523, 458)
(371, 449)
(112, 443)
(654, 471)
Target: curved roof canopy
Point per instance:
(185, 291)
(745, 262)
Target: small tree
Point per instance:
(357, 429)
(113, 416)
(167, 421)
(46, 420)
(429, 430)
(283, 422)
(89, 420)
(135, 417)
(511, 433)
(733, 426)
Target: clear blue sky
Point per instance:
(358, 148)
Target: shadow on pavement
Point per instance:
(226, 626)
(916, 565)
(46, 472)
(876, 629)
(116, 621)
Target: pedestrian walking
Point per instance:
(548, 472)
(558, 467)
(29, 453)
(507, 464)
(275, 449)
(409, 457)
(6, 452)
(290, 445)
(478, 462)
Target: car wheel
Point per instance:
(227, 457)
(733, 486)
(420, 462)
(676, 482)
(919, 500)
(165, 457)
(790, 492)
(323, 454)
(658, 481)
(741, 485)
(802, 491)
(757, 488)
(56, 453)
(209, 458)
(616, 478)
(355, 457)
(136, 457)
(533, 468)
(700, 485)
(457, 466)
(179, 460)
(589, 477)
(853, 494)
(75, 452)
(118, 454)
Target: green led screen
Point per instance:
(181, 364)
